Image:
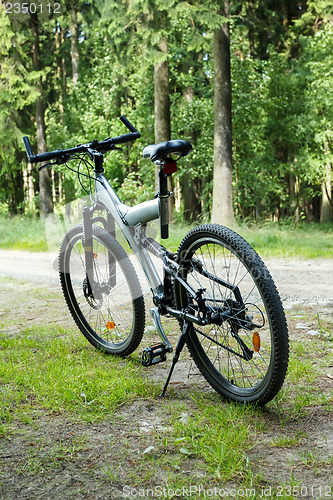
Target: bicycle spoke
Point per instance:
(225, 349)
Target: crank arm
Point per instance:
(189, 318)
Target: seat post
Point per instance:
(164, 203)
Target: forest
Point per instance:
(248, 83)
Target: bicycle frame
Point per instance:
(131, 217)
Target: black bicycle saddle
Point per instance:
(163, 149)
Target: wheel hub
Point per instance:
(89, 296)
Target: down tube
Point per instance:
(106, 195)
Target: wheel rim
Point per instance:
(109, 317)
(215, 344)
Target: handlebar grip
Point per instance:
(27, 146)
(121, 139)
(128, 124)
(49, 155)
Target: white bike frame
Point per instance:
(131, 217)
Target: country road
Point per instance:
(298, 280)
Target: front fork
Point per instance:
(87, 241)
(93, 288)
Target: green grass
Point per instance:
(22, 233)
(55, 372)
(307, 384)
(269, 239)
(301, 240)
(218, 438)
(54, 369)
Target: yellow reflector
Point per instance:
(95, 255)
(256, 341)
(110, 325)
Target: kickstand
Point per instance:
(180, 344)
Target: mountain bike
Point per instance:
(216, 286)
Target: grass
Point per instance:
(52, 375)
(308, 380)
(22, 233)
(218, 438)
(51, 371)
(269, 239)
(300, 240)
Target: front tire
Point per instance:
(113, 319)
(209, 255)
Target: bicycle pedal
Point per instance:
(154, 354)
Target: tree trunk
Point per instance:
(191, 186)
(326, 192)
(74, 43)
(15, 197)
(28, 185)
(161, 96)
(293, 195)
(45, 192)
(162, 108)
(222, 208)
(59, 37)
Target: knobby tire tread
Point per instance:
(274, 309)
(131, 277)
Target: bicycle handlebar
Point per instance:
(65, 154)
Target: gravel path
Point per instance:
(298, 281)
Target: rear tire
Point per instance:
(217, 348)
(114, 321)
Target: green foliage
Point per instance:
(282, 98)
(16, 93)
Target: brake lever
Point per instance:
(47, 165)
(60, 161)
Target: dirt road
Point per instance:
(298, 281)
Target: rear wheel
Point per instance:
(112, 314)
(243, 351)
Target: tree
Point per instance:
(17, 96)
(222, 208)
(326, 193)
(282, 117)
(46, 205)
(74, 41)
(162, 94)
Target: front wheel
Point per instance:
(111, 314)
(243, 350)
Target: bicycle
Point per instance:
(216, 286)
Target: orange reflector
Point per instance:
(95, 255)
(110, 325)
(256, 341)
